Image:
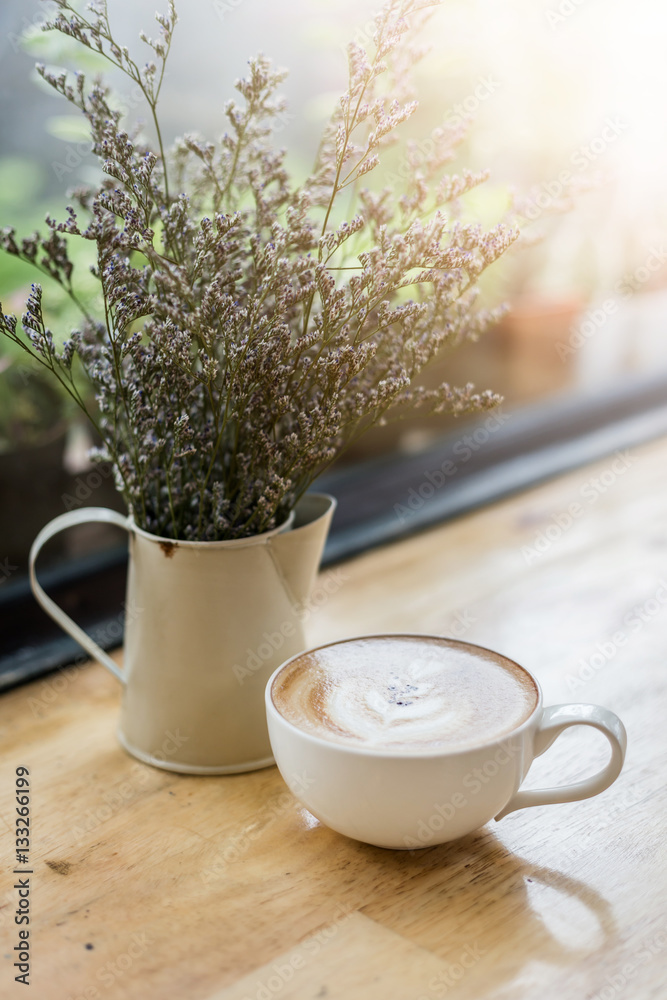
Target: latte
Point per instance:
(408, 693)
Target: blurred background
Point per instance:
(565, 100)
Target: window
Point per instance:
(566, 111)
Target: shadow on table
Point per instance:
(476, 898)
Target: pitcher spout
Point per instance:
(297, 552)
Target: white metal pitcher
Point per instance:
(206, 625)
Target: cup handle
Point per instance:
(68, 520)
(554, 720)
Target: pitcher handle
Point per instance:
(68, 520)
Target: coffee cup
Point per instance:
(406, 741)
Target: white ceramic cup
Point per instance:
(406, 800)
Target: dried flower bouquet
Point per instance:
(249, 328)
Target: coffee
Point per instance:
(408, 693)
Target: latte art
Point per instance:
(410, 705)
(406, 692)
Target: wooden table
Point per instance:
(154, 886)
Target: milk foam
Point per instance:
(404, 692)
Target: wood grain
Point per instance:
(155, 886)
(330, 963)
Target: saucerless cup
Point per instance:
(407, 796)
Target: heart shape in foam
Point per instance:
(409, 702)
